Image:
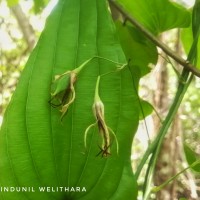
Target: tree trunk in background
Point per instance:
(171, 154)
(165, 167)
(11, 61)
(25, 26)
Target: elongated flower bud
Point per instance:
(104, 130)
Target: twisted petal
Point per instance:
(63, 91)
(115, 137)
(65, 107)
(86, 133)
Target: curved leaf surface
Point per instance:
(158, 15)
(137, 48)
(36, 148)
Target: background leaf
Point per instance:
(12, 2)
(187, 35)
(146, 109)
(157, 15)
(138, 49)
(191, 157)
(39, 5)
(36, 149)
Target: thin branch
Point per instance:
(157, 42)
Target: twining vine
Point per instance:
(189, 70)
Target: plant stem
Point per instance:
(184, 63)
(160, 187)
(162, 132)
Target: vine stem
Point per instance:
(184, 63)
(188, 67)
(158, 188)
(166, 124)
(189, 70)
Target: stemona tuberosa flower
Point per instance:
(63, 89)
(63, 94)
(104, 130)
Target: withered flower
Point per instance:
(63, 91)
(63, 94)
(98, 109)
(104, 130)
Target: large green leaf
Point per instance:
(157, 15)
(36, 148)
(138, 49)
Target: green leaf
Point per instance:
(12, 2)
(196, 18)
(192, 34)
(187, 38)
(36, 148)
(138, 49)
(157, 15)
(191, 157)
(39, 5)
(145, 109)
